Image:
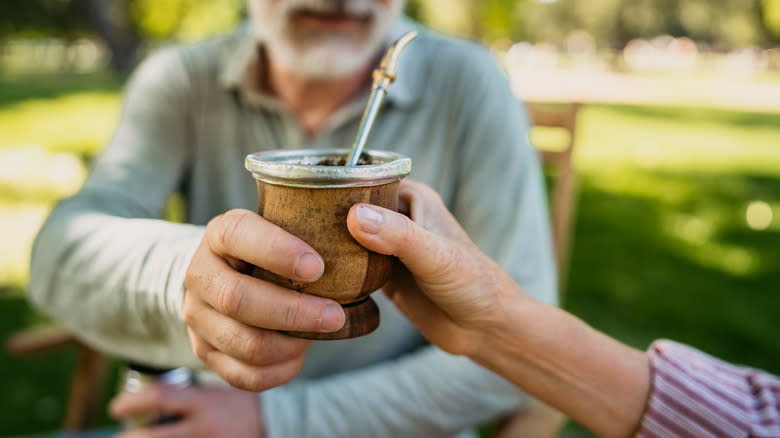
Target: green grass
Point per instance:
(78, 120)
(19, 88)
(662, 246)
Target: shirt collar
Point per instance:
(242, 61)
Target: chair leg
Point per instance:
(87, 390)
(564, 207)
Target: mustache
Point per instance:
(345, 7)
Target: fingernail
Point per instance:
(370, 220)
(308, 267)
(332, 318)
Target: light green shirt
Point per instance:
(109, 269)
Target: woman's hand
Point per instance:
(446, 286)
(466, 304)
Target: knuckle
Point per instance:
(201, 350)
(408, 232)
(200, 275)
(214, 225)
(188, 315)
(229, 335)
(229, 297)
(193, 276)
(245, 347)
(255, 348)
(294, 313)
(444, 262)
(190, 278)
(231, 229)
(256, 381)
(287, 372)
(295, 366)
(188, 311)
(426, 191)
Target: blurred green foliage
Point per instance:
(727, 23)
(771, 16)
(154, 19)
(662, 245)
(185, 19)
(61, 18)
(125, 26)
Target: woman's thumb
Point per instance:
(387, 232)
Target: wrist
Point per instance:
(506, 330)
(559, 359)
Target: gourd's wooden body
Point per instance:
(319, 218)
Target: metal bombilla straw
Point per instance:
(382, 78)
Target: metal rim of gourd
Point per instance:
(300, 168)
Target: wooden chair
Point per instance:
(89, 374)
(537, 419)
(92, 366)
(563, 193)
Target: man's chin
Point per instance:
(332, 61)
(329, 67)
(343, 23)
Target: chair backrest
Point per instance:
(563, 188)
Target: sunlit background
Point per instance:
(677, 229)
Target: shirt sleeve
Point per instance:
(500, 202)
(695, 395)
(104, 265)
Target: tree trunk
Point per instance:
(112, 22)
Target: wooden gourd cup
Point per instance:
(308, 192)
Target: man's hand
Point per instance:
(232, 317)
(447, 287)
(203, 411)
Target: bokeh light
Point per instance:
(758, 215)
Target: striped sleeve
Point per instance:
(695, 395)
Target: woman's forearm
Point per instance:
(556, 357)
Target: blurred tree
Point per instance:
(124, 26)
(769, 16)
(186, 20)
(59, 19)
(47, 18)
(497, 19)
(113, 22)
(478, 19)
(728, 23)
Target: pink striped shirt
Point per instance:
(695, 395)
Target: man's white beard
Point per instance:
(322, 55)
